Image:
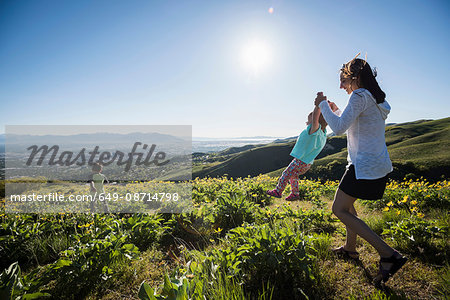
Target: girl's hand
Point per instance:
(320, 97)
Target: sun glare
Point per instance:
(256, 56)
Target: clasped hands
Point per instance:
(320, 97)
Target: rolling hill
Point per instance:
(419, 148)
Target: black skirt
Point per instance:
(362, 188)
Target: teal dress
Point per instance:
(308, 146)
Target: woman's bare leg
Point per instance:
(350, 242)
(342, 207)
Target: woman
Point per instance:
(368, 159)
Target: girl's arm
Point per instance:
(93, 187)
(340, 124)
(315, 120)
(91, 183)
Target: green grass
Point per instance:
(279, 234)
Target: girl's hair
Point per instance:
(359, 69)
(97, 167)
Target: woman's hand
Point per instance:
(332, 105)
(320, 97)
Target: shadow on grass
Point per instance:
(383, 291)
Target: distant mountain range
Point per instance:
(417, 149)
(234, 138)
(90, 138)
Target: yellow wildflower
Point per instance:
(414, 202)
(420, 215)
(405, 199)
(390, 203)
(386, 209)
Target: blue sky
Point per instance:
(228, 68)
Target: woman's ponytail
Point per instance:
(360, 70)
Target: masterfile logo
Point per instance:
(125, 168)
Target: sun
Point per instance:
(256, 56)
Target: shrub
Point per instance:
(273, 253)
(233, 210)
(416, 236)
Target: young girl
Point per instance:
(309, 144)
(96, 181)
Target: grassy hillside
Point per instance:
(417, 149)
(249, 162)
(400, 132)
(234, 243)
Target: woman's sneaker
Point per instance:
(274, 193)
(292, 197)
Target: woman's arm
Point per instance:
(315, 120)
(334, 108)
(340, 124)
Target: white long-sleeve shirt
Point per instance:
(363, 119)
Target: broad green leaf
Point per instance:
(146, 292)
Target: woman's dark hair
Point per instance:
(359, 69)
